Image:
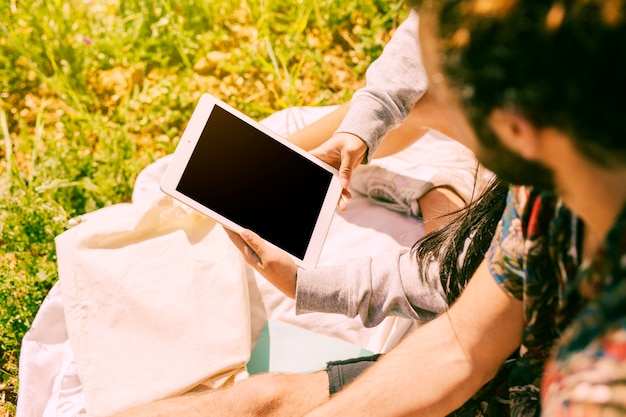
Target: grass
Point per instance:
(92, 91)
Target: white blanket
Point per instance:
(153, 299)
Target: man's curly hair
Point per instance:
(560, 63)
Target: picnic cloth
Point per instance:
(153, 299)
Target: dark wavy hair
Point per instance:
(460, 246)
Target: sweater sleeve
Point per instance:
(372, 288)
(394, 83)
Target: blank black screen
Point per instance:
(256, 182)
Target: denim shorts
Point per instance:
(341, 373)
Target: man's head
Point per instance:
(557, 65)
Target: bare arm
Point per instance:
(313, 135)
(442, 364)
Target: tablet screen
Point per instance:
(244, 175)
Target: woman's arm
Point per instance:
(394, 84)
(373, 288)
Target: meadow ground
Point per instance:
(92, 91)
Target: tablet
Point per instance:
(245, 176)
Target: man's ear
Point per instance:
(515, 132)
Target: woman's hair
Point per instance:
(460, 246)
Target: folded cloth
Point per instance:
(136, 275)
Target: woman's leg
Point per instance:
(439, 207)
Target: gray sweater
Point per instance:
(394, 83)
(373, 288)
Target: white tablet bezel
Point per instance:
(186, 146)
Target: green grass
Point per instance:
(92, 92)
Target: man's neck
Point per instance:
(596, 194)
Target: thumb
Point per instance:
(253, 241)
(345, 170)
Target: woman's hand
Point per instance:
(271, 262)
(345, 152)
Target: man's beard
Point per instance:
(509, 166)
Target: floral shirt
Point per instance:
(575, 313)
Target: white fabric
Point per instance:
(138, 283)
(153, 299)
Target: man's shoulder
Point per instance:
(526, 223)
(534, 208)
